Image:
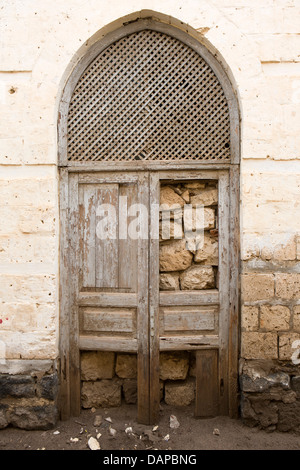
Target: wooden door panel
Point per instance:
(108, 262)
(207, 381)
(106, 241)
(103, 320)
(87, 212)
(108, 290)
(209, 296)
(127, 246)
(188, 320)
(106, 299)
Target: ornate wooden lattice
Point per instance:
(148, 96)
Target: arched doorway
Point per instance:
(149, 117)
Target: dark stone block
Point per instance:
(289, 417)
(42, 416)
(3, 416)
(249, 385)
(130, 391)
(248, 415)
(17, 386)
(267, 413)
(296, 384)
(262, 384)
(48, 387)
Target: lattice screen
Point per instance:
(148, 96)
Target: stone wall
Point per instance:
(270, 347)
(188, 259)
(108, 378)
(28, 394)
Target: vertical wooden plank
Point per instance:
(64, 389)
(88, 234)
(154, 191)
(127, 246)
(206, 404)
(73, 282)
(235, 139)
(62, 129)
(224, 273)
(234, 290)
(142, 311)
(107, 256)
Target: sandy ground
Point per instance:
(219, 433)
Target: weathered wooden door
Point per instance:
(115, 228)
(109, 267)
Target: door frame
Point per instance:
(69, 360)
(148, 365)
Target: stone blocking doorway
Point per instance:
(132, 140)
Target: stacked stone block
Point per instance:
(109, 378)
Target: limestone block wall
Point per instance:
(188, 259)
(258, 43)
(110, 379)
(269, 368)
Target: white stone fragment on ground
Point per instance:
(128, 430)
(174, 423)
(56, 432)
(74, 439)
(167, 437)
(97, 420)
(99, 435)
(216, 432)
(108, 419)
(112, 431)
(93, 444)
(155, 428)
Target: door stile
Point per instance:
(73, 282)
(64, 390)
(234, 291)
(143, 365)
(154, 190)
(224, 286)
